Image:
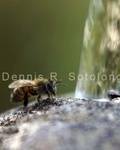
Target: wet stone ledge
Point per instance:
(62, 124)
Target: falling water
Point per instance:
(100, 56)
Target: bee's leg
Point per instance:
(48, 96)
(52, 96)
(38, 98)
(25, 100)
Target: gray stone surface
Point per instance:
(62, 124)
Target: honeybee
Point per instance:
(25, 89)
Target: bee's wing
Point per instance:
(21, 83)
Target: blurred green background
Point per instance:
(40, 36)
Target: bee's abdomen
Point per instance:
(19, 93)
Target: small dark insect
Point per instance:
(25, 89)
(113, 95)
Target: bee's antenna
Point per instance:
(60, 83)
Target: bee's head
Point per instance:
(51, 86)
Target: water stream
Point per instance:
(99, 69)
